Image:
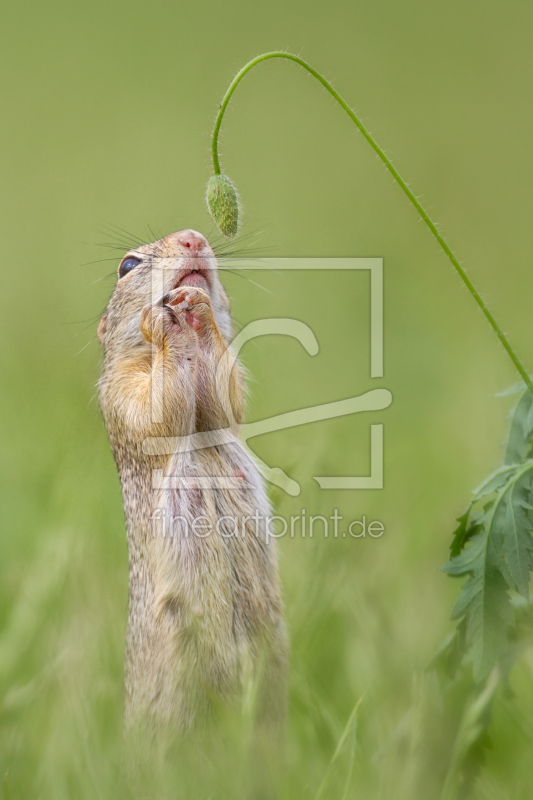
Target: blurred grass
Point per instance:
(105, 111)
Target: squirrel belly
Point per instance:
(204, 594)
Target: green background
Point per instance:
(106, 115)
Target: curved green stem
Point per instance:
(397, 177)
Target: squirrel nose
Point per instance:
(192, 241)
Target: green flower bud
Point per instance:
(223, 204)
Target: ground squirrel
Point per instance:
(205, 613)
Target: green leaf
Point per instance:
(521, 430)
(460, 534)
(496, 554)
(517, 541)
(483, 601)
(495, 548)
(494, 482)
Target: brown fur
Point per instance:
(205, 614)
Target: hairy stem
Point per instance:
(397, 177)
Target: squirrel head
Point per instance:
(149, 272)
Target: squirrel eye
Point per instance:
(127, 265)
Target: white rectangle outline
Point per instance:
(375, 265)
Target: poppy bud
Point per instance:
(223, 204)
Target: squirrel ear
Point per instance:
(102, 328)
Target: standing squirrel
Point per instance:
(205, 612)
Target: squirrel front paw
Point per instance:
(159, 323)
(195, 306)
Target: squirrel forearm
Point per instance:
(157, 400)
(219, 388)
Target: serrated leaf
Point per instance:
(497, 557)
(468, 560)
(521, 430)
(464, 531)
(517, 541)
(494, 482)
(483, 602)
(495, 549)
(460, 534)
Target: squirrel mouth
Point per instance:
(194, 274)
(194, 278)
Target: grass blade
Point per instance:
(350, 725)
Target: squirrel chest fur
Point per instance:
(205, 613)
